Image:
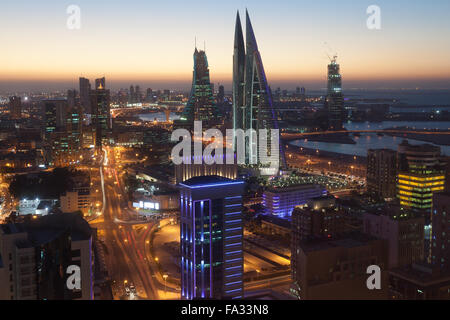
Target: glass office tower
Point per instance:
(252, 97)
(211, 238)
(201, 105)
(335, 99)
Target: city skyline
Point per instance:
(407, 52)
(318, 193)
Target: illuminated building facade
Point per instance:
(420, 175)
(252, 97)
(201, 104)
(186, 171)
(211, 238)
(101, 116)
(75, 128)
(55, 115)
(335, 100)
(282, 201)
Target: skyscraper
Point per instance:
(138, 94)
(201, 105)
(132, 95)
(221, 95)
(420, 175)
(38, 253)
(381, 173)
(211, 238)
(101, 117)
(334, 102)
(85, 100)
(75, 129)
(440, 231)
(252, 98)
(55, 115)
(15, 107)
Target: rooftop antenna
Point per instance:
(204, 45)
(195, 42)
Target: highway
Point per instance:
(126, 257)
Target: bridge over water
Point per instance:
(300, 136)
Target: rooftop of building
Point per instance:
(209, 181)
(294, 187)
(282, 222)
(382, 150)
(419, 148)
(394, 211)
(349, 240)
(422, 274)
(48, 227)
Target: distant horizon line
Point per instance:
(114, 83)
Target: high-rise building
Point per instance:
(55, 115)
(440, 231)
(381, 173)
(132, 95)
(420, 175)
(85, 91)
(318, 218)
(36, 255)
(138, 94)
(221, 95)
(149, 95)
(402, 229)
(101, 117)
(252, 97)
(430, 279)
(336, 269)
(447, 174)
(74, 129)
(15, 107)
(201, 105)
(211, 238)
(100, 83)
(334, 101)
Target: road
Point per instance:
(126, 257)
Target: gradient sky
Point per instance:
(151, 42)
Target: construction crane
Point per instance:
(329, 49)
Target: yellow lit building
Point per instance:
(416, 190)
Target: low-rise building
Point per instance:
(281, 201)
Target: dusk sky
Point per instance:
(151, 43)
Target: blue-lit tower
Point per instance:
(211, 238)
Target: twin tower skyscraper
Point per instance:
(253, 110)
(252, 98)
